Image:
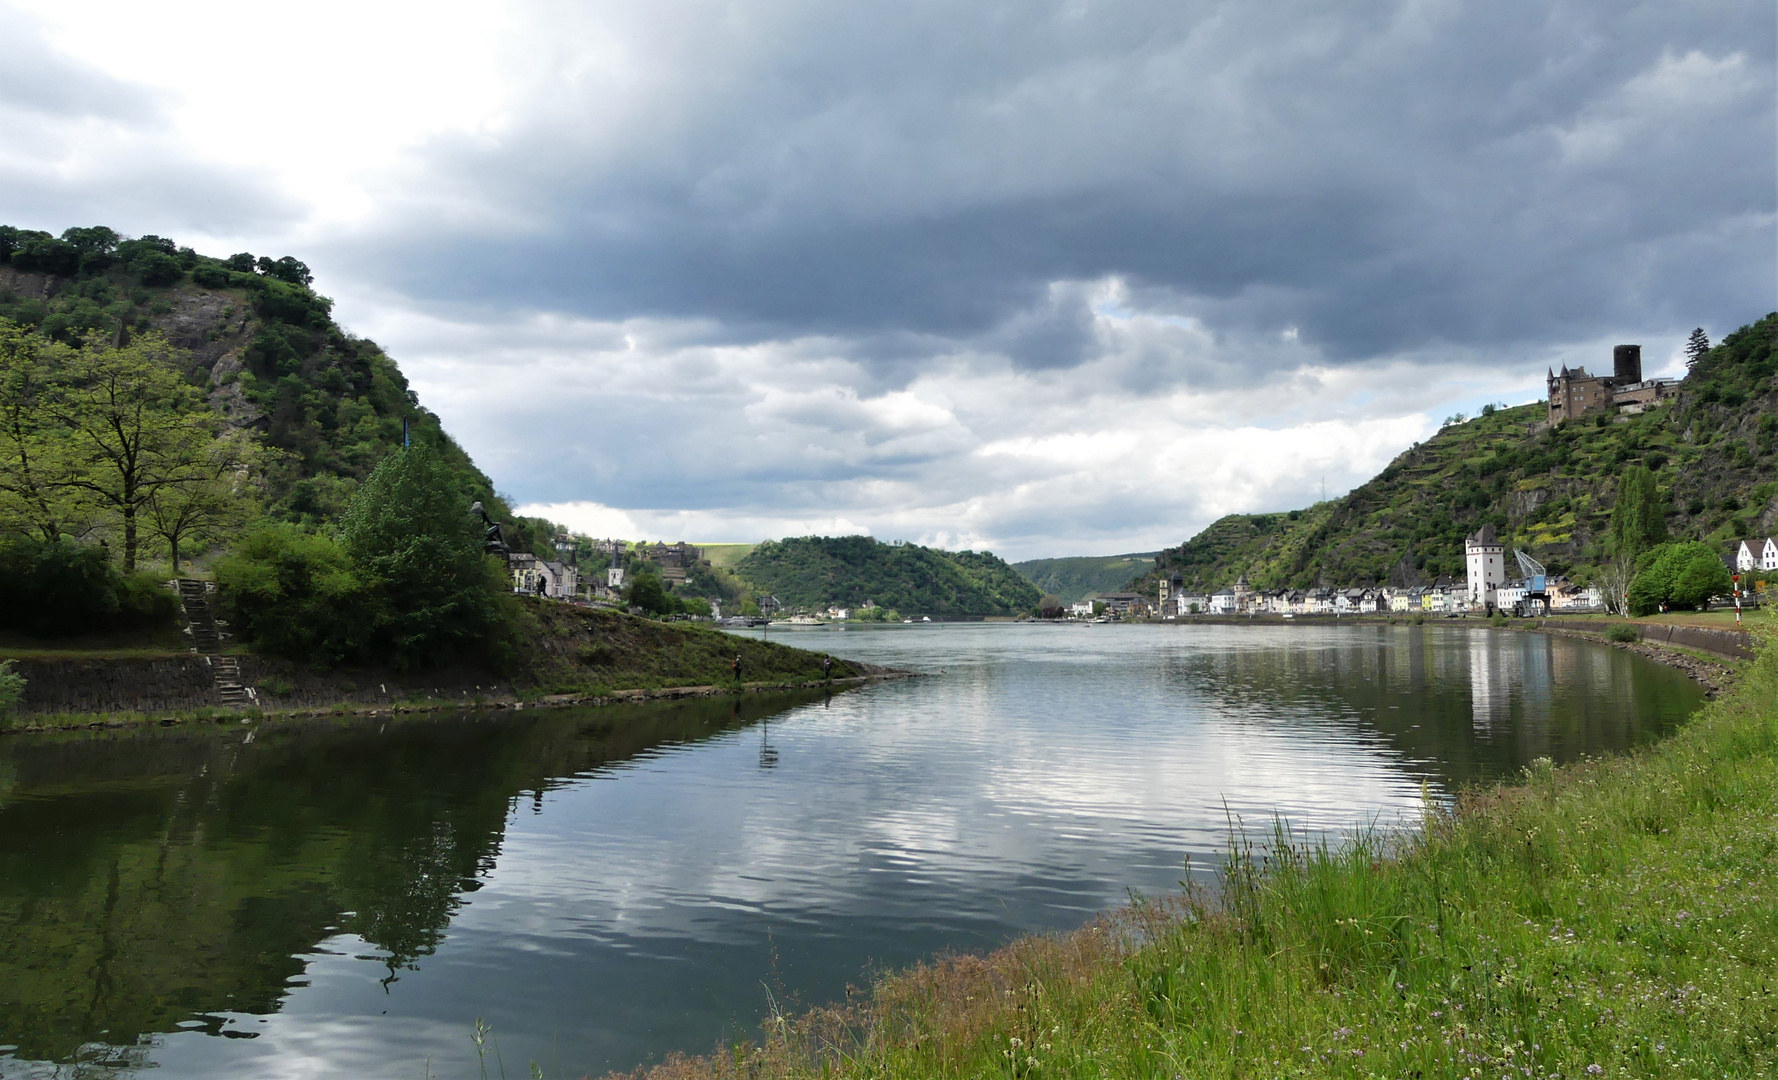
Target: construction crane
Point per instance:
(1536, 584)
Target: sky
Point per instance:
(1048, 278)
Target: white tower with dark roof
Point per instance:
(1486, 557)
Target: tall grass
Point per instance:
(1616, 917)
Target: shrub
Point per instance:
(295, 593)
(12, 687)
(60, 589)
(1624, 633)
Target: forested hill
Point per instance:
(815, 572)
(249, 333)
(1549, 492)
(1072, 577)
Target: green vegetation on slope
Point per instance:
(813, 572)
(587, 650)
(1073, 577)
(1548, 491)
(1617, 917)
(249, 335)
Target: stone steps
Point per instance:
(207, 635)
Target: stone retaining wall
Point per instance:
(174, 683)
(1728, 644)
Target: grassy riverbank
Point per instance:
(564, 653)
(1617, 917)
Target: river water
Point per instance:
(605, 886)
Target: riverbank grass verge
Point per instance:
(1616, 917)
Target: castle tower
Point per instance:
(1626, 364)
(1486, 557)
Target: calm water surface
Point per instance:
(605, 886)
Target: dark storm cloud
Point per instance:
(1383, 178)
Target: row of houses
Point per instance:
(1485, 588)
(1444, 597)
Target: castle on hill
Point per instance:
(1573, 393)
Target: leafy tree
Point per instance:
(45, 254)
(297, 593)
(1638, 522)
(33, 453)
(218, 501)
(409, 532)
(646, 591)
(1696, 347)
(287, 269)
(240, 262)
(1678, 576)
(133, 427)
(156, 268)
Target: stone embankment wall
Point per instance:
(1728, 644)
(186, 683)
(168, 684)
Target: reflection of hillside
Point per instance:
(152, 878)
(1479, 711)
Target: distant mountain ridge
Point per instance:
(1547, 491)
(1075, 577)
(815, 572)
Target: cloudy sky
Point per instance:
(1052, 278)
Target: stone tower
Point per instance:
(1626, 364)
(1486, 557)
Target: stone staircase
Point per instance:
(207, 633)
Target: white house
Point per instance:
(614, 578)
(1223, 603)
(536, 577)
(1081, 609)
(1757, 555)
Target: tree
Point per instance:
(1696, 346)
(33, 456)
(1678, 576)
(134, 429)
(411, 537)
(645, 591)
(1639, 520)
(219, 501)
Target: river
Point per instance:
(603, 886)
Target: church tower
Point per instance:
(1487, 565)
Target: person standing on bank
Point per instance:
(735, 666)
(827, 668)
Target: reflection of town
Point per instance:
(1481, 710)
(154, 881)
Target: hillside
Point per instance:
(258, 341)
(813, 572)
(1073, 577)
(1547, 491)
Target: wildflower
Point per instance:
(1594, 1070)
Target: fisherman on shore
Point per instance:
(735, 666)
(827, 668)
